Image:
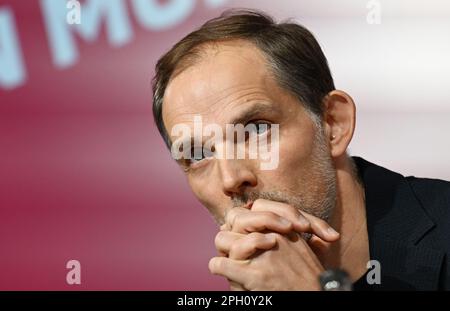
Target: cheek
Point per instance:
(296, 149)
(295, 160)
(201, 192)
(209, 194)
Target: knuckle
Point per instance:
(269, 216)
(254, 236)
(233, 213)
(278, 237)
(237, 221)
(305, 222)
(217, 264)
(212, 265)
(234, 249)
(292, 209)
(219, 237)
(295, 214)
(253, 240)
(229, 216)
(257, 204)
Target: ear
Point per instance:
(340, 120)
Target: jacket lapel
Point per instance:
(396, 223)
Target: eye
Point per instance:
(260, 127)
(200, 154)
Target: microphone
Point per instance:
(335, 280)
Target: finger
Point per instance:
(236, 286)
(225, 239)
(233, 270)
(300, 222)
(230, 216)
(318, 245)
(249, 244)
(260, 221)
(321, 228)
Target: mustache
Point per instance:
(248, 197)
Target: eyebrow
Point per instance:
(251, 112)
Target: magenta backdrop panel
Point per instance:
(84, 174)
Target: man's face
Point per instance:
(231, 82)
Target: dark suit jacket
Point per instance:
(408, 222)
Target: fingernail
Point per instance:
(332, 231)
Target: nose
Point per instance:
(236, 176)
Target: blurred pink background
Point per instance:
(85, 175)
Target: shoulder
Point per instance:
(434, 196)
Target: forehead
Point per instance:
(228, 76)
